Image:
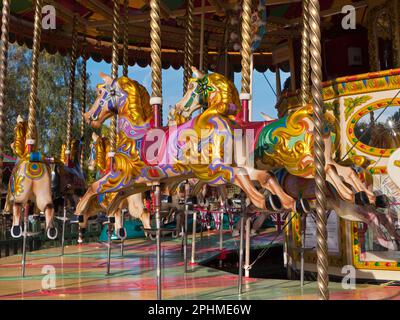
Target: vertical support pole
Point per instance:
(247, 249)
(31, 131)
(37, 32)
(63, 228)
(201, 58)
(278, 82)
(319, 149)
(109, 242)
(305, 99)
(125, 36)
(189, 43)
(71, 89)
(156, 72)
(157, 198)
(305, 56)
(245, 95)
(221, 229)
(114, 76)
(240, 271)
(303, 240)
(83, 98)
(125, 69)
(194, 225)
(185, 226)
(25, 237)
(3, 72)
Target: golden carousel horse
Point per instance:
(145, 154)
(30, 181)
(98, 161)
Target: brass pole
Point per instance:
(3, 72)
(189, 44)
(319, 149)
(125, 52)
(71, 89)
(37, 32)
(201, 58)
(246, 58)
(114, 76)
(305, 57)
(83, 97)
(156, 72)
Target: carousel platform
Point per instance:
(80, 275)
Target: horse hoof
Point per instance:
(273, 203)
(361, 198)
(229, 202)
(81, 218)
(152, 237)
(175, 234)
(16, 231)
(382, 201)
(111, 219)
(121, 233)
(52, 233)
(302, 206)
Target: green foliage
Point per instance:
(52, 99)
(351, 103)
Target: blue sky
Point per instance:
(263, 97)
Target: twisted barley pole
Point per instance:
(189, 44)
(83, 97)
(71, 89)
(37, 32)
(305, 56)
(155, 45)
(3, 72)
(245, 95)
(319, 149)
(114, 75)
(125, 52)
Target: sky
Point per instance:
(264, 98)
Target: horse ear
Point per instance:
(106, 78)
(95, 136)
(197, 73)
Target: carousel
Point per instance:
(324, 175)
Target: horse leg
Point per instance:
(269, 182)
(335, 173)
(45, 204)
(242, 180)
(16, 230)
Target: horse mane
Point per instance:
(225, 100)
(19, 143)
(102, 147)
(74, 151)
(138, 102)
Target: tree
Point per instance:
(52, 103)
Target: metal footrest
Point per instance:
(63, 219)
(32, 234)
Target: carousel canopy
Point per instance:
(275, 21)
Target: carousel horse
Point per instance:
(145, 154)
(98, 160)
(30, 181)
(67, 178)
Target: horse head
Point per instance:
(122, 96)
(213, 92)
